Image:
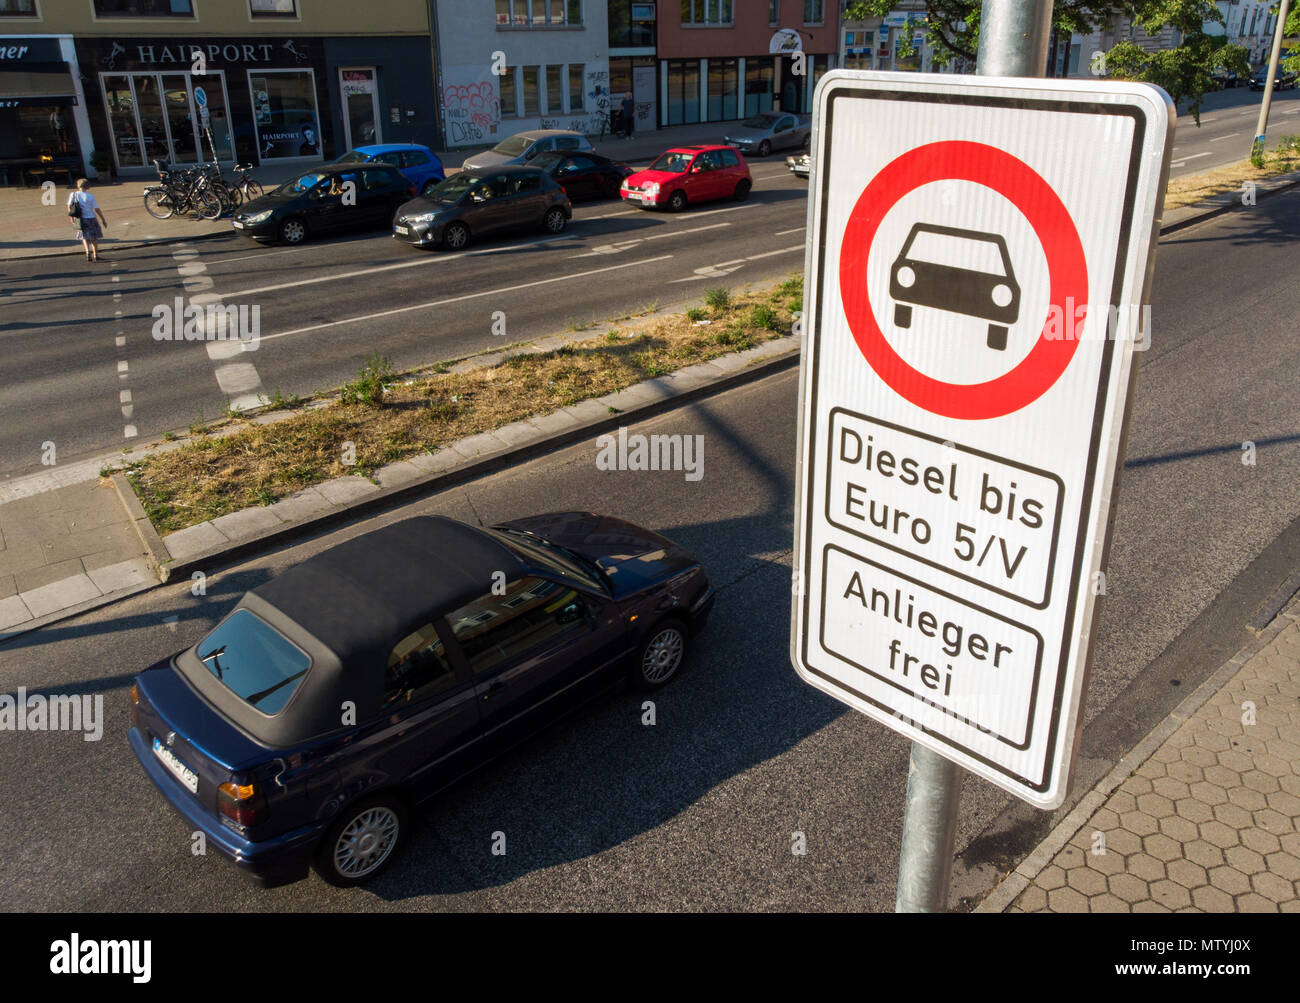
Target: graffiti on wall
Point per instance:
(473, 110)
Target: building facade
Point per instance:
(261, 81)
(873, 44)
(509, 65)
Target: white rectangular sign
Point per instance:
(975, 296)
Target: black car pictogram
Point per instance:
(934, 269)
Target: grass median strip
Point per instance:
(383, 416)
(1188, 191)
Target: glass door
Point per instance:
(361, 119)
(181, 119)
(120, 102)
(153, 119)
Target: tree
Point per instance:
(952, 29)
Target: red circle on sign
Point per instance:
(958, 160)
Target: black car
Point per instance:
(472, 204)
(584, 175)
(305, 726)
(324, 199)
(923, 274)
(1281, 81)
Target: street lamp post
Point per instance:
(1262, 125)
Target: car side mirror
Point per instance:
(571, 613)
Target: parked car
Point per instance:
(1225, 78)
(473, 204)
(922, 275)
(584, 175)
(524, 146)
(306, 725)
(689, 174)
(800, 164)
(769, 131)
(319, 201)
(418, 164)
(1281, 81)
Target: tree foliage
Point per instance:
(952, 29)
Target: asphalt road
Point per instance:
(1227, 128)
(324, 307)
(699, 811)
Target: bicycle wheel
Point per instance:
(223, 196)
(252, 190)
(158, 203)
(234, 194)
(205, 205)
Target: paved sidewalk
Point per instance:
(1209, 822)
(66, 547)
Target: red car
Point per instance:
(689, 174)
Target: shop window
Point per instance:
(532, 104)
(576, 85)
(144, 8)
(683, 91)
(707, 12)
(758, 85)
(273, 8)
(284, 109)
(17, 8)
(722, 89)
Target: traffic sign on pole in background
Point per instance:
(975, 293)
(200, 97)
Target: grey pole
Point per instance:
(1261, 127)
(1013, 43)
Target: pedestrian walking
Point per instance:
(627, 112)
(83, 208)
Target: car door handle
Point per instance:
(493, 688)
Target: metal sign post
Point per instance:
(1261, 127)
(1013, 43)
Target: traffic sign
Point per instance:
(200, 97)
(976, 285)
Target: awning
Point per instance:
(33, 88)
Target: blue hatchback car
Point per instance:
(418, 164)
(334, 698)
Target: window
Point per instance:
(525, 13)
(576, 72)
(708, 161)
(554, 96)
(631, 24)
(706, 12)
(254, 661)
(758, 85)
(143, 8)
(273, 8)
(722, 89)
(507, 84)
(514, 628)
(773, 12)
(284, 110)
(683, 91)
(417, 668)
(566, 142)
(414, 158)
(812, 12)
(526, 184)
(531, 103)
(17, 8)
(729, 158)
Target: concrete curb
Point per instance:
(1045, 852)
(153, 545)
(1225, 202)
(522, 451)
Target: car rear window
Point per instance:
(254, 661)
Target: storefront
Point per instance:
(43, 124)
(380, 91)
(257, 100)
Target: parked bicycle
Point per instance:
(183, 192)
(248, 188)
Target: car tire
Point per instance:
(555, 221)
(660, 657)
(902, 315)
(997, 338)
(677, 201)
(363, 841)
(292, 231)
(742, 190)
(455, 237)
(764, 148)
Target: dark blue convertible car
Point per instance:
(304, 726)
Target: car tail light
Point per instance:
(563, 189)
(244, 804)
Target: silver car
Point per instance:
(770, 130)
(524, 146)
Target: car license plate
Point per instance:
(236, 224)
(178, 769)
(402, 230)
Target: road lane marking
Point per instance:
(623, 245)
(1231, 135)
(1193, 156)
(722, 268)
(467, 296)
(782, 233)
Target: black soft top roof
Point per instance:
(376, 588)
(346, 608)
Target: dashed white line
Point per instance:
(782, 233)
(1231, 135)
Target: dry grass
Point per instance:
(259, 464)
(1197, 188)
